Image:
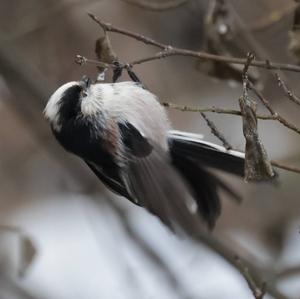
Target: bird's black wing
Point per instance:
(152, 180)
(114, 184)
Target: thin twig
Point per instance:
(245, 77)
(139, 37)
(258, 292)
(249, 59)
(287, 272)
(280, 118)
(81, 60)
(216, 132)
(286, 90)
(157, 6)
(285, 167)
(173, 51)
(214, 109)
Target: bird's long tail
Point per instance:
(206, 153)
(191, 156)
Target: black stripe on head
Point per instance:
(70, 103)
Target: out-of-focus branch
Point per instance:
(30, 91)
(259, 275)
(285, 273)
(145, 248)
(273, 17)
(173, 51)
(258, 292)
(157, 5)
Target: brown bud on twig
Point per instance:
(80, 60)
(104, 51)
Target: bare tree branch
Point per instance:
(258, 274)
(110, 28)
(287, 272)
(274, 115)
(285, 167)
(173, 51)
(278, 117)
(213, 109)
(286, 90)
(258, 292)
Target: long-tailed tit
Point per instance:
(123, 134)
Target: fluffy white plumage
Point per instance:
(128, 102)
(121, 102)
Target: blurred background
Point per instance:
(62, 234)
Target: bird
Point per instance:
(125, 137)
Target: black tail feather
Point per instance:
(207, 154)
(190, 156)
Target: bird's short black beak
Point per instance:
(85, 82)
